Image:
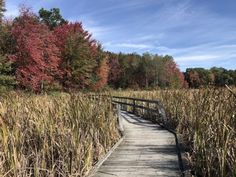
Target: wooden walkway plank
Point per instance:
(146, 151)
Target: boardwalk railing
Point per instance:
(154, 111)
(149, 108)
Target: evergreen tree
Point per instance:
(7, 75)
(7, 78)
(2, 9)
(52, 18)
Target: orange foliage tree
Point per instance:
(102, 72)
(83, 62)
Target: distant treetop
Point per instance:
(52, 18)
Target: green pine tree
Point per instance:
(2, 9)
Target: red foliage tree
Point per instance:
(173, 76)
(36, 55)
(63, 32)
(82, 64)
(115, 69)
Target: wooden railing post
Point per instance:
(122, 106)
(133, 106)
(162, 112)
(121, 127)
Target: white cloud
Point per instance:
(112, 6)
(191, 58)
(97, 31)
(92, 26)
(205, 55)
(133, 45)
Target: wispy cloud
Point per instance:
(133, 45)
(206, 55)
(111, 6)
(198, 58)
(97, 31)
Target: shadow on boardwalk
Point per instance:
(147, 150)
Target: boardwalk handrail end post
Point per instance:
(133, 106)
(162, 112)
(120, 124)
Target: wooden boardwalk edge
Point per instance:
(104, 158)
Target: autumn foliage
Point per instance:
(48, 52)
(37, 56)
(173, 76)
(102, 74)
(65, 54)
(144, 71)
(78, 55)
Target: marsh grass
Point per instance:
(205, 120)
(63, 135)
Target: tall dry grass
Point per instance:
(54, 135)
(205, 120)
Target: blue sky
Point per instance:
(197, 33)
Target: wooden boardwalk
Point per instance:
(146, 151)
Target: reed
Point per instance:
(63, 135)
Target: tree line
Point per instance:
(46, 52)
(219, 77)
(144, 71)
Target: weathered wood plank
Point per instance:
(147, 150)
